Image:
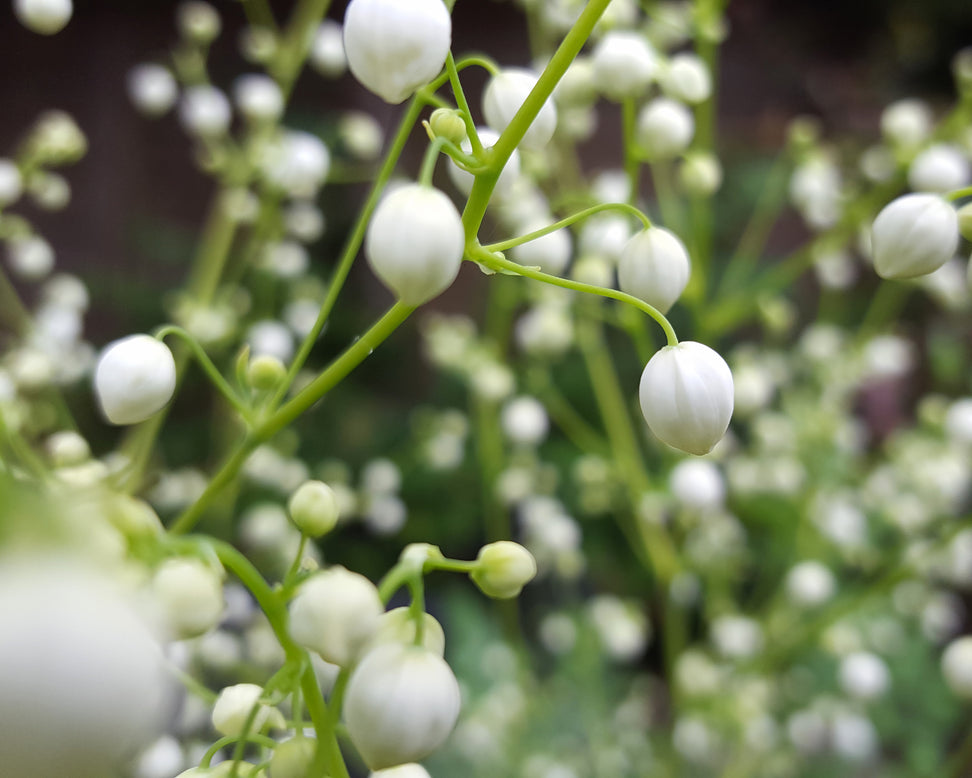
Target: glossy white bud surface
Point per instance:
(654, 267)
(396, 46)
(914, 235)
(134, 379)
(415, 243)
(686, 396)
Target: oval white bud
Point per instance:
(395, 46)
(152, 89)
(190, 595)
(233, 707)
(415, 243)
(939, 168)
(11, 182)
(205, 110)
(314, 508)
(401, 704)
(700, 174)
(503, 568)
(335, 613)
(258, 97)
(654, 267)
(551, 253)
(957, 667)
(913, 236)
(296, 162)
(46, 17)
(524, 421)
(624, 65)
(687, 79)
(398, 626)
(864, 675)
(327, 51)
(686, 396)
(907, 123)
(665, 128)
(134, 379)
(504, 95)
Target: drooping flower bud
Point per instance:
(939, 168)
(233, 708)
(314, 508)
(190, 596)
(46, 17)
(687, 79)
(415, 243)
(503, 569)
(258, 97)
(624, 65)
(448, 123)
(654, 267)
(395, 46)
(297, 163)
(293, 758)
(134, 379)
(398, 626)
(205, 111)
(152, 89)
(686, 396)
(665, 128)
(335, 613)
(913, 236)
(327, 51)
(504, 95)
(400, 705)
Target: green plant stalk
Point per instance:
(259, 14)
(351, 248)
(632, 165)
(564, 415)
(567, 221)
(475, 143)
(297, 40)
(489, 452)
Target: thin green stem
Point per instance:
(463, 105)
(259, 14)
(297, 40)
(416, 586)
(632, 165)
(569, 220)
(220, 744)
(499, 263)
(428, 162)
(958, 194)
(211, 371)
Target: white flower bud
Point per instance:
(624, 65)
(11, 182)
(335, 613)
(233, 706)
(160, 760)
(67, 448)
(864, 675)
(957, 667)
(398, 626)
(687, 79)
(939, 168)
(400, 705)
(30, 258)
(258, 97)
(46, 17)
(190, 595)
(700, 174)
(293, 758)
(396, 46)
(152, 89)
(654, 267)
(551, 253)
(524, 421)
(361, 134)
(698, 484)
(205, 110)
(665, 128)
(82, 681)
(508, 178)
(503, 568)
(906, 123)
(327, 50)
(50, 191)
(415, 243)
(686, 396)
(410, 770)
(505, 93)
(914, 235)
(297, 162)
(314, 508)
(198, 21)
(809, 584)
(134, 379)
(737, 637)
(272, 338)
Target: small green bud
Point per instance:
(448, 123)
(293, 758)
(503, 569)
(965, 221)
(314, 508)
(265, 373)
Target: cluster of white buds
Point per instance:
(394, 47)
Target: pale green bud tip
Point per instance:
(448, 123)
(314, 508)
(503, 569)
(265, 373)
(293, 758)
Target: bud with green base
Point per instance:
(503, 569)
(314, 508)
(293, 758)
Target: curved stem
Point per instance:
(566, 222)
(463, 105)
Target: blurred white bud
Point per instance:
(698, 484)
(939, 168)
(190, 596)
(46, 17)
(907, 123)
(205, 110)
(551, 253)
(624, 65)
(234, 705)
(957, 667)
(327, 50)
(198, 21)
(700, 174)
(258, 97)
(810, 583)
(665, 128)
(737, 637)
(152, 89)
(463, 180)
(524, 421)
(361, 134)
(270, 337)
(30, 258)
(686, 78)
(297, 163)
(505, 93)
(11, 183)
(864, 675)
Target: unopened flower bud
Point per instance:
(913, 236)
(398, 626)
(524, 421)
(30, 258)
(190, 595)
(327, 51)
(400, 705)
(687, 79)
(293, 758)
(939, 168)
(11, 183)
(809, 584)
(205, 111)
(503, 569)
(314, 508)
(686, 396)
(504, 95)
(957, 667)
(448, 123)
(152, 89)
(234, 705)
(48, 190)
(67, 448)
(907, 123)
(665, 128)
(198, 21)
(335, 613)
(864, 675)
(296, 162)
(624, 65)
(700, 174)
(258, 97)
(46, 17)
(56, 139)
(134, 379)
(654, 267)
(396, 46)
(265, 372)
(415, 243)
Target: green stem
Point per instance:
(958, 194)
(259, 14)
(297, 40)
(566, 222)
(263, 740)
(463, 105)
(497, 262)
(632, 165)
(428, 162)
(206, 364)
